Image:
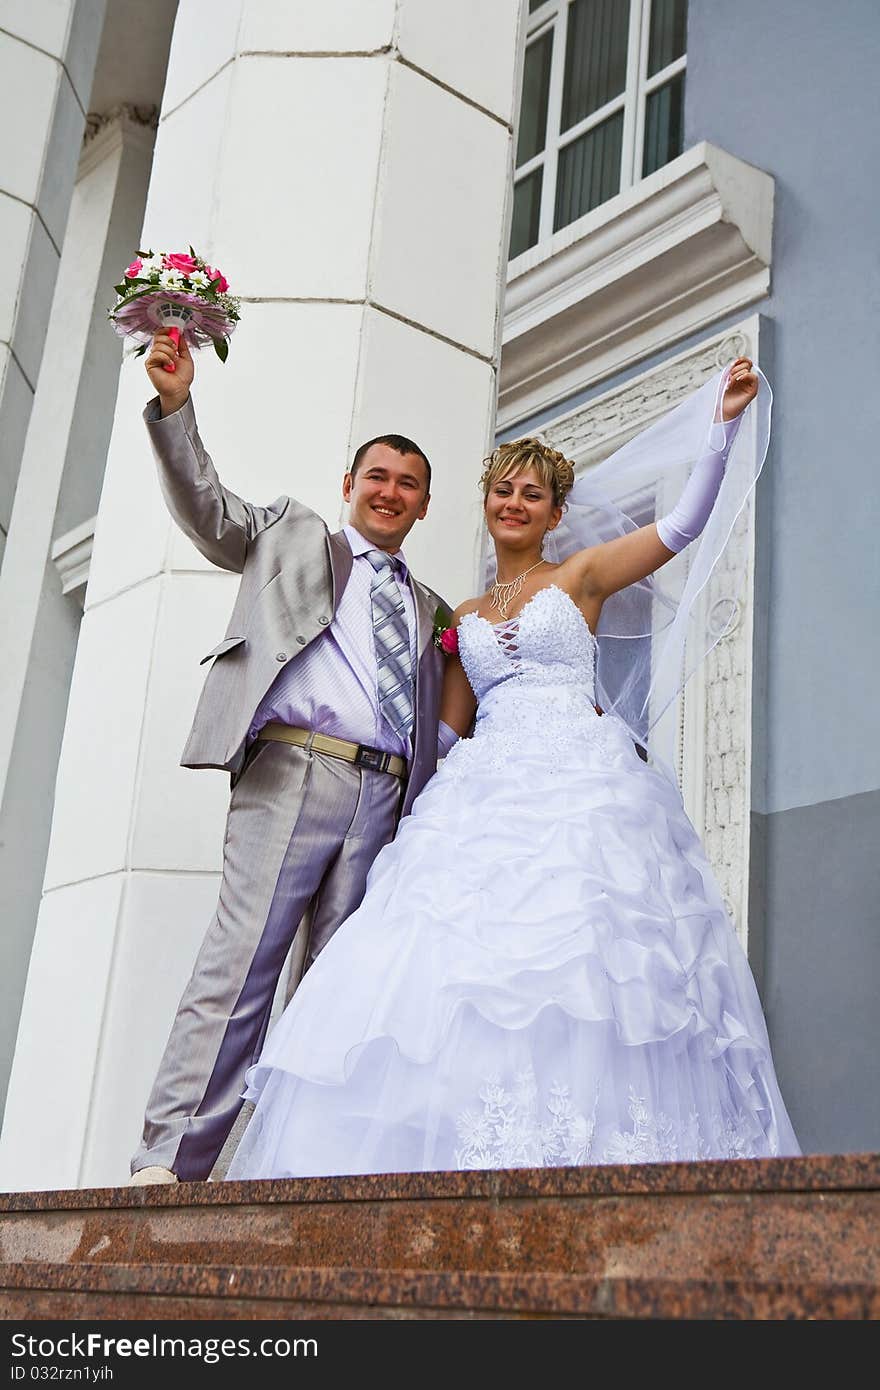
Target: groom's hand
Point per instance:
(172, 388)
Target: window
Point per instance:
(602, 106)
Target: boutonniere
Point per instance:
(445, 636)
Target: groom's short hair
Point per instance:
(400, 444)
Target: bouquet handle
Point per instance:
(174, 335)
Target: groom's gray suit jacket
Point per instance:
(293, 574)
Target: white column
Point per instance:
(103, 173)
(347, 166)
(47, 57)
(58, 483)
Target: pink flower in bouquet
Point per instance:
(213, 275)
(135, 268)
(179, 260)
(449, 640)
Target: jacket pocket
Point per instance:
(227, 645)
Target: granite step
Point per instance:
(244, 1293)
(746, 1238)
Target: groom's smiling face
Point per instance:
(387, 494)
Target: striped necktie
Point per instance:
(391, 638)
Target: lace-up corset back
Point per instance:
(546, 644)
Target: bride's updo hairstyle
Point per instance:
(552, 468)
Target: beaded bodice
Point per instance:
(546, 644)
(534, 678)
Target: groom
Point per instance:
(321, 703)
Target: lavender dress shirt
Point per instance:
(332, 687)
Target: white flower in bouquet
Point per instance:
(199, 280)
(171, 280)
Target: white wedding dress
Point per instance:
(541, 972)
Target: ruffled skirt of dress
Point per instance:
(541, 972)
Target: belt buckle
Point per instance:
(371, 758)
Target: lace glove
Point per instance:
(690, 514)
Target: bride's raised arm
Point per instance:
(604, 569)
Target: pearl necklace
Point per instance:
(504, 594)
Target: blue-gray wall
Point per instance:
(791, 87)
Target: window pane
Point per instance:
(589, 171)
(664, 112)
(535, 90)
(535, 5)
(595, 57)
(526, 211)
(668, 33)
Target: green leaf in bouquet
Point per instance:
(149, 288)
(221, 347)
(120, 289)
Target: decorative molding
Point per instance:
(725, 754)
(714, 719)
(147, 116)
(664, 259)
(590, 432)
(72, 556)
(108, 131)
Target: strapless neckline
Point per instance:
(509, 622)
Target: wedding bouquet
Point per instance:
(176, 293)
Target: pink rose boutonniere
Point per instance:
(445, 636)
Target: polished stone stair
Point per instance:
(776, 1238)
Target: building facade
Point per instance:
(478, 219)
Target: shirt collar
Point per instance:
(360, 545)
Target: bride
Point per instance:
(542, 970)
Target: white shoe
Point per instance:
(144, 1176)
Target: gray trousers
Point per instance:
(303, 829)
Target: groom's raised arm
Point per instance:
(218, 522)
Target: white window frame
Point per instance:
(553, 14)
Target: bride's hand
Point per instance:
(741, 388)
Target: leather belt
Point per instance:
(358, 753)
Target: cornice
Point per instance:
(663, 260)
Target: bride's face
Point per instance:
(520, 509)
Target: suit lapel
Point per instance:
(341, 561)
(424, 618)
